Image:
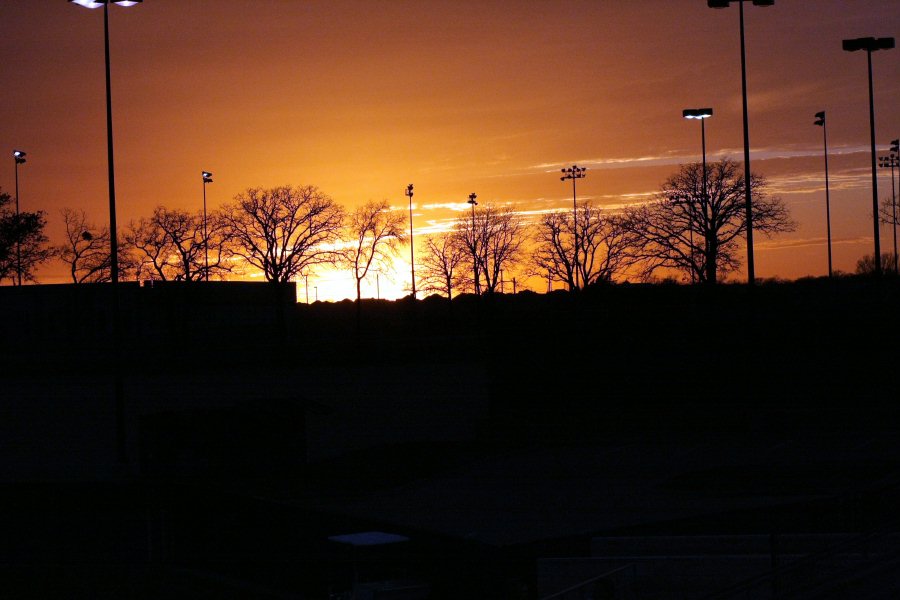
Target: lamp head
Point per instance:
(207, 177)
(820, 118)
(697, 113)
(99, 3)
(472, 197)
(20, 156)
(409, 190)
(869, 44)
(895, 146)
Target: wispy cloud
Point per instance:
(793, 243)
(675, 159)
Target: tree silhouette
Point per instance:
(284, 231)
(494, 240)
(375, 233)
(889, 214)
(171, 243)
(866, 264)
(25, 230)
(86, 249)
(605, 246)
(440, 263)
(699, 234)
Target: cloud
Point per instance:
(787, 244)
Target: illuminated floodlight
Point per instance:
(725, 3)
(99, 3)
(207, 177)
(697, 113)
(19, 156)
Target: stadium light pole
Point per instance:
(574, 172)
(820, 121)
(412, 255)
(207, 178)
(751, 273)
(113, 236)
(19, 157)
(701, 114)
(118, 385)
(892, 161)
(870, 45)
(474, 203)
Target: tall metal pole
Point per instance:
(870, 44)
(821, 121)
(575, 229)
(118, 387)
(205, 237)
(113, 235)
(19, 160)
(702, 114)
(475, 285)
(412, 254)
(893, 164)
(874, 177)
(751, 272)
(877, 233)
(574, 172)
(705, 198)
(892, 161)
(207, 178)
(118, 384)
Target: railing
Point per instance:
(590, 589)
(806, 573)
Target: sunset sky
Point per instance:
(363, 98)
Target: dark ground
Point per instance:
(624, 411)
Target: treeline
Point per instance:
(692, 229)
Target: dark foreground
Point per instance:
(629, 442)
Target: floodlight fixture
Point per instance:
(870, 44)
(99, 3)
(725, 3)
(697, 113)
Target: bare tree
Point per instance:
(493, 241)
(375, 233)
(86, 249)
(605, 245)
(23, 244)
(172, 245)
(888, 215)
(701, 234)
(440, 263)
(866, 264)
(284, 231)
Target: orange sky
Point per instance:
(362, 98)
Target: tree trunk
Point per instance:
(711, 260)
